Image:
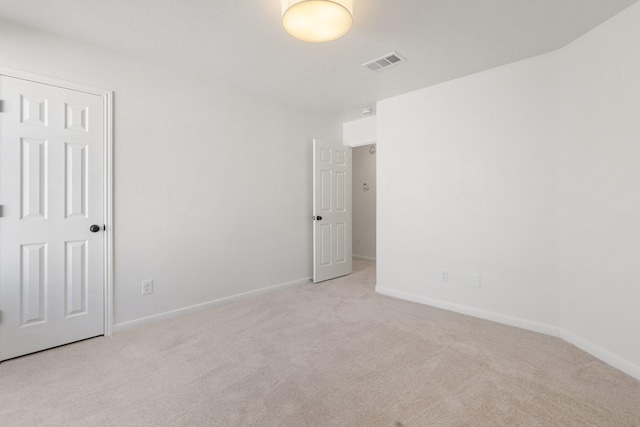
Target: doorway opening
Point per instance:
(364, 202)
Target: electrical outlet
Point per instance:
(476, 281)
(444, 276)
(147, 287)
(357, 242)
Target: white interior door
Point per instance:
(51, 193)
(331, 211)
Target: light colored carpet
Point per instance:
(332, 354)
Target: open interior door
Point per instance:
(331, 210)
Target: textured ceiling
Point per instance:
(241, 42)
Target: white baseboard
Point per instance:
(205, 305)
(475, 312)
(596, 351)
(363, 258)
(601, 353)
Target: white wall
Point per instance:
(359, 132)
(599, 199)
(364, 202)
(471, 177)
(212, 186)
(527, 175)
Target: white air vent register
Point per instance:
(385, 61)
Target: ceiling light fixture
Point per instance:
(317, 20)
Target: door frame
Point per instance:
(107, 99)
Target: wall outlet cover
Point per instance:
(444, 276)
(147, 287)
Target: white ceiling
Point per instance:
(241, 42)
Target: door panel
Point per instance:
(76, 278)
(51, 192)
(33, 262)
(76, 184)
(332, 203)
(33, 190)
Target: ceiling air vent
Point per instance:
(383, 62)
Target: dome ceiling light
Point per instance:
(317, 20)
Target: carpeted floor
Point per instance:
(333, 354)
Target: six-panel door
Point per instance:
(332, 203)
(51, 192)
